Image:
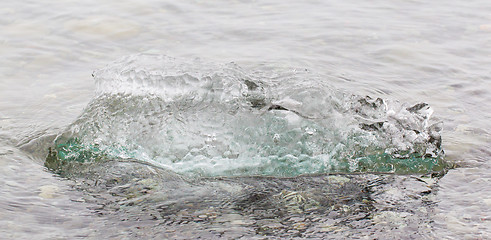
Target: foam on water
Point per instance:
(209, 119)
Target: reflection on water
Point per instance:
(412, 51)
(157, 203)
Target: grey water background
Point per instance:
(437, 52)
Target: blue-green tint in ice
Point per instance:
(198, 118)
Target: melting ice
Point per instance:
(199, 118)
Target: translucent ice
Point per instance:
(208, 119)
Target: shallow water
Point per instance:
(410, 51)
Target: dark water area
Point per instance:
(260, 128)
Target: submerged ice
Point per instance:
(208, 119)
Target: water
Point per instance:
(404, 51)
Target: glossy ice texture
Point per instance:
(221, 120)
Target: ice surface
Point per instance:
(209, 119)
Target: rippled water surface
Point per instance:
(404, 52)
